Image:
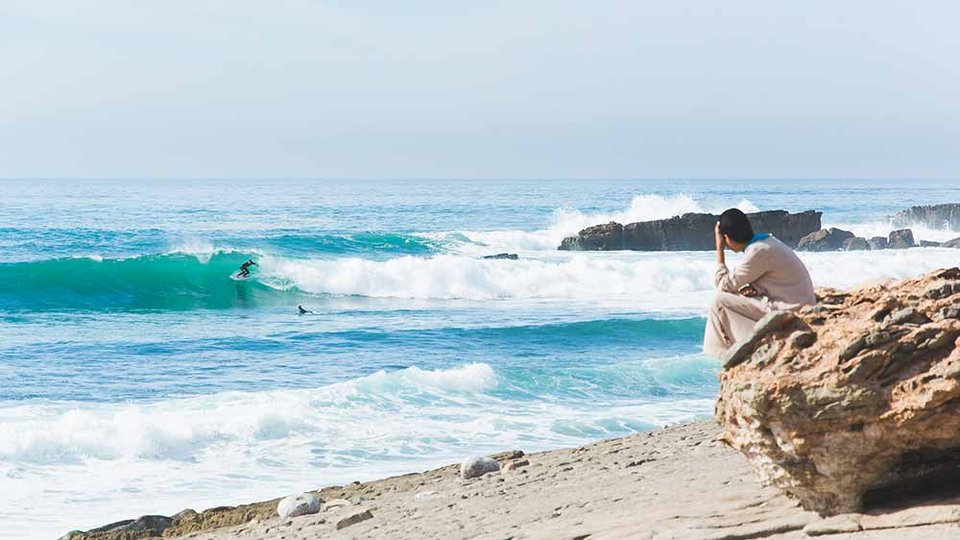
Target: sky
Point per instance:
(448, 89)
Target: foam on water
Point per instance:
(451, 277)
(200, 248)
(659, 281)
(883, 228)
(256, 445)
(568, 221)
(65, 432)
(653, 281)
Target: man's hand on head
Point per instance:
(721, 243)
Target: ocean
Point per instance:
(136, 376)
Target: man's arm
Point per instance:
(721, 245)
(751, 268)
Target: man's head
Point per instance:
(736, 229)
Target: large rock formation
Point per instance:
(854, 400)
(937, 216)
(607, 237)
(689, 232)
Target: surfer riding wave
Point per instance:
(245, 268)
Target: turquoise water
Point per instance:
(136, 376)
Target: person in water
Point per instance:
(303, 311)
(245, 268)
(770, 277)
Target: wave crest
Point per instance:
(568, 221)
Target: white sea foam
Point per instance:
(657, 281)
(883, 228)
(567, 221)
(200, 248)
(236, 447)
(176, 429)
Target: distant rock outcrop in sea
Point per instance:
(688, 232)
(694, 232)
(935, 216)
(853, 401)
(841, 240)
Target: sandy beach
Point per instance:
(673, 483)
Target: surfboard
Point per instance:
(237, 277)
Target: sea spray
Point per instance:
(568, 221)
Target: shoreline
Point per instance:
(674, 482)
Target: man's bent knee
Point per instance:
(722, 299)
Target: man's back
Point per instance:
(785, 279)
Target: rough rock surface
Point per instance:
(900, 239)
(298, 505)
(937, 216)
(825, 240)
(689, 232)
(856, 400)
(856, 244)
(839, 239)
(474, 467)
(878, 242)
(607, 237)
(129, 529)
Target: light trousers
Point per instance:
(730, 318)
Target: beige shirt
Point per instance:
(775, 272)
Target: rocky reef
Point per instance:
(689, 232)
(936, 216)
(827, 240)
(694, 232)
(853, 401)
(841, 240)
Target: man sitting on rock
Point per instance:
(770, 277)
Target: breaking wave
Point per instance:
(567, 221)
(252, 445)
(655, 281)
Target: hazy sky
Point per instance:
(518, 89)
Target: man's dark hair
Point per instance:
(736, 225)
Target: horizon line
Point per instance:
(476, 178)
